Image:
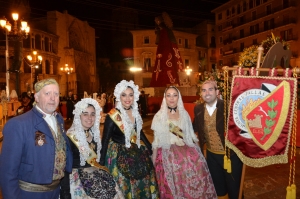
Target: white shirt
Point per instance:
(211, 109)
(50, 119)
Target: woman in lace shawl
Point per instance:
(88, 178)
(181, 169)
(126, 150)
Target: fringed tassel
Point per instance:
(225, 162)
(228, 165)
(288, 192)
(293, 191)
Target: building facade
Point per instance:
(242, 23)
(60, 39)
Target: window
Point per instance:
(221, 51)
(269, 24)
(242, 19)
(221, 40)
(264, 1)
(220, 16)
(238, 9)
(233, 10)
(286, 19)
(257, 2)
(147, 64)
(253, 15)
(287, 34)
(220, 27)
(244, 6)
(186, 62)
(228, 13)
(269, 9)
(179, 41)
(199, 54)
(251, 4)
(186, 43)
(242, 33)
(146, 40)
(241, 47)
(254, 29)
(254, 41)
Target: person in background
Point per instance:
(70, 106)
(88, 178)
(125, 148)
(181, 168)
(35, 151)
(26, 102)
(209, 123)
(143, 104)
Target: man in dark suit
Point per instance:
(209, 123)
(35, 151)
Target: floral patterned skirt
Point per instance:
(144, 188)
(91, 182)
(182, 172)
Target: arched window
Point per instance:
(47, 66)
(47, 44)
(55, 69)
(38, 42)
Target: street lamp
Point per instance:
(14, 33)
(188, 71)
(68, 70)
(35, 61)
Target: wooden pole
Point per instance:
(242, 181)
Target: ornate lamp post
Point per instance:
(68, 70)
(16, 32)
(34, 62)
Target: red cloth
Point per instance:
(243, 88)
(168, 61)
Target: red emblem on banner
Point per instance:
(265, 119)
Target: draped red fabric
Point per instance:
(168, 60)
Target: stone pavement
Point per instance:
(259, 183)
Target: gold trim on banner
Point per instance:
(276, 159)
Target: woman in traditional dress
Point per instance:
(126, 150)
(88, 178)
(181, 169)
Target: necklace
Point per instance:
(172, 110)
(127, 108)
(87, 134)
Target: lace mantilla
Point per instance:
(161, 128)
(77, 129)
(128, 125)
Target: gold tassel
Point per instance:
(293, 191)
(288, 192)
(225, 162)
(228, 165)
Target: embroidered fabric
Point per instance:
(133, 162)
(77, 129)
(128, 125)
(97, 183)
(160, 126)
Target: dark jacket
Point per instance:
(112, 131)
(198, 123)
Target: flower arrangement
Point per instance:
(248, 58)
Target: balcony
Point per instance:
(285, 6)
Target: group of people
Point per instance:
(40, 159)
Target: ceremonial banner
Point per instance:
(260, 117)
